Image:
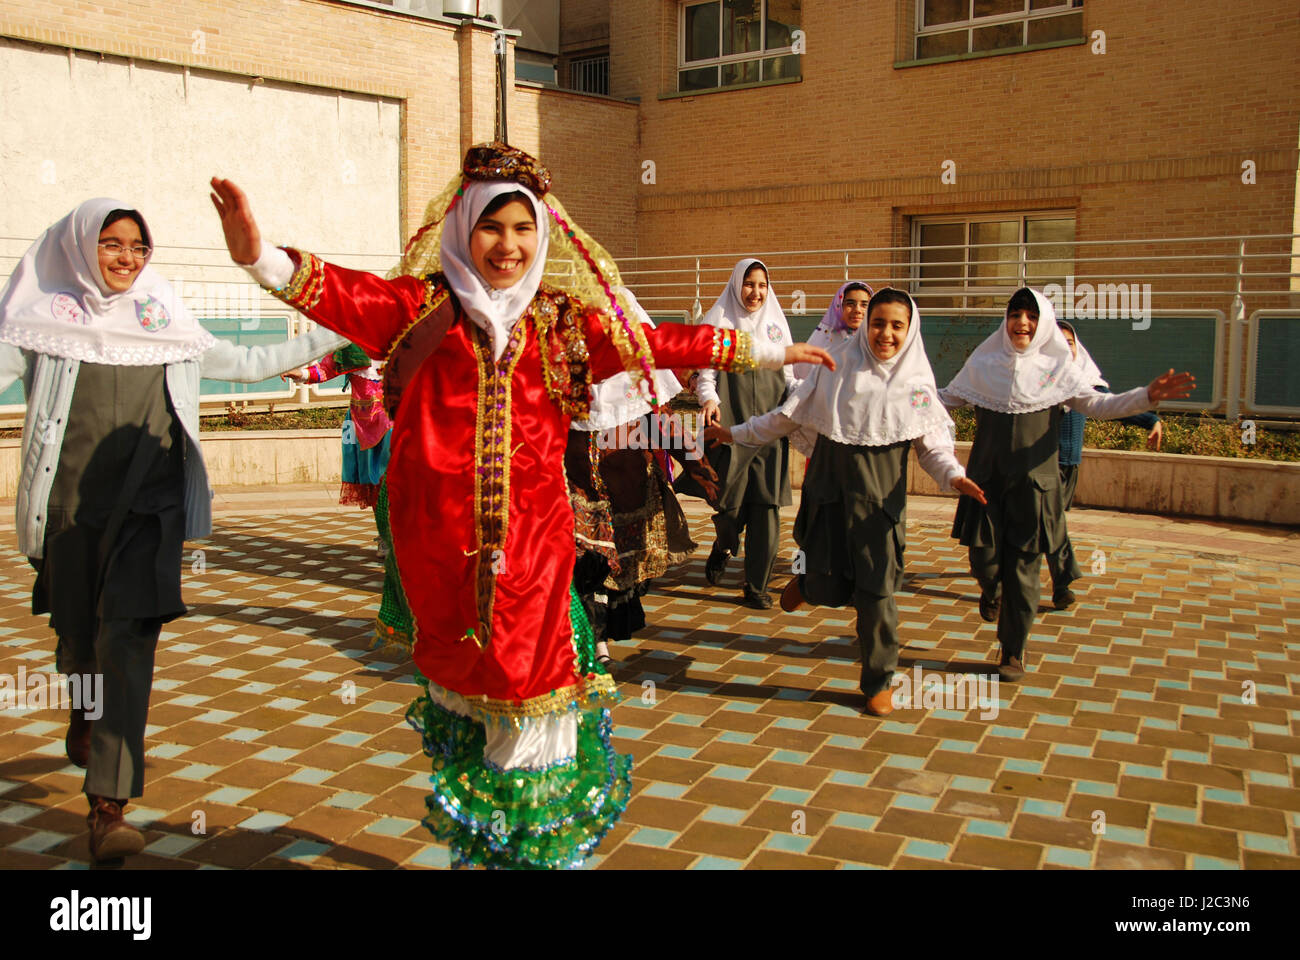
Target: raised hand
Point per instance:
(243, 239)
(1171, 386)
(804, 353)
(969, 487)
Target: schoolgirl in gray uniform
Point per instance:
(862, 419)
(1017, 380)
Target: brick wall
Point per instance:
(1146, 139)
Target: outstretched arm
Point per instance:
(368, 310)
(1105, 406)
(682, 345)
(758, 431)
(935, 453)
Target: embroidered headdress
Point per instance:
(575, 263)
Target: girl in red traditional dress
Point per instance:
(485, 366)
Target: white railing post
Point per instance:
(697, 310)
(1236, 319)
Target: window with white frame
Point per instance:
(723, 43)
(980, 260)
(953, 27)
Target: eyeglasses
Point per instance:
(114, 249)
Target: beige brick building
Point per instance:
(956, 146)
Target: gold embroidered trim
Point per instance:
(597, 687)
(304, 289)
(562, 340)
(492, 458)
(742, 359)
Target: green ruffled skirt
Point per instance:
(521, 818)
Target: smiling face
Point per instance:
(503, 244)
(1069, 338)
(887, 329)
(1021, 327)
(120, 270)
(854, 309)
(754, 290)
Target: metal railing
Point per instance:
(222, 297)
(1230, 303)
(1227, 307)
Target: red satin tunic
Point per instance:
(442, 463)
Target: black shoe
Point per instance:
(990, 608)
(716, 565)
(758, 599)
(1063, 598)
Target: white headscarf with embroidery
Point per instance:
(729, 310)
(56, 301)
(866, 401)
(999, 377)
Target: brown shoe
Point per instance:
(77, 742)
(1012, 669)
(882, 704)
(990, 608)
(111, 837)
(791, 598)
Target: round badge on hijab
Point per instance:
(66, 307)
(152, 314)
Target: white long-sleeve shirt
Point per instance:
(935, 451)
(1090, 402)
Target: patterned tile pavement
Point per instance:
(1134, 742)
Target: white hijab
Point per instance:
(729, 309)
(56, 301)
(1091, 372)
(998, 377)
(495, 311)
(830, 329)
(617, 401)
(866, 401)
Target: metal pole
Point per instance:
(696, 309)
(502, 46)
(1236, 318)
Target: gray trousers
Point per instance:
(761, 523)
(1013, 575)
(877, 626)
(123, 651)
(1062, 564)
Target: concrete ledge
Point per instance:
(1224, 488)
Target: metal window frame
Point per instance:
(722, 60)
(967, 219)
(972, 22)
(1252, 361)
